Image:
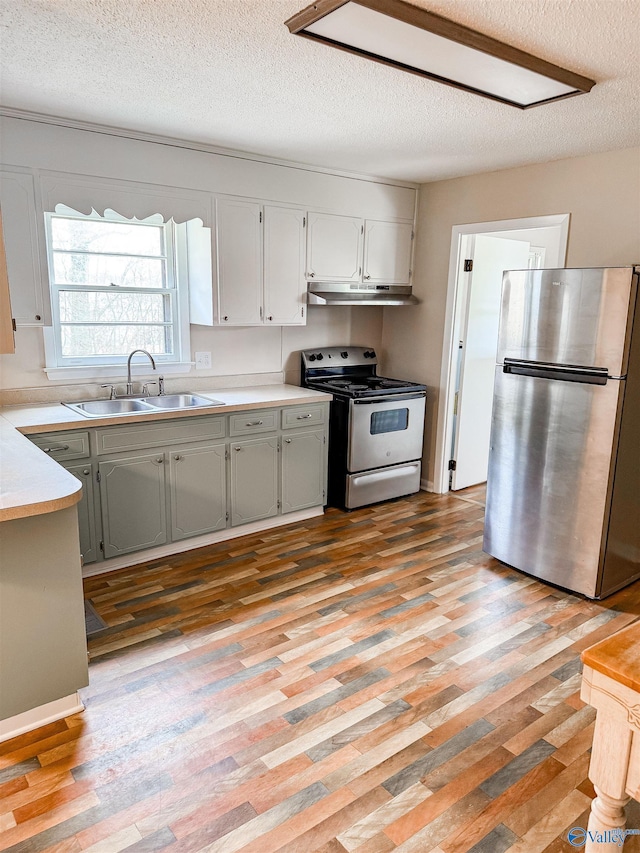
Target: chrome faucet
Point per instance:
(129, 391)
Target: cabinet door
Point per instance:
(197, 482)
(17, 197)
(334, 247)
(86, 512)
(387, 252)
(303, 470)
(285, 285)
(132, 493)
(239, 262)
(254, 479)
(7, 341)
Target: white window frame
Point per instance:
(59, 366)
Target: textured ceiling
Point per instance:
(228, 73)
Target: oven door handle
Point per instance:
(388, 398)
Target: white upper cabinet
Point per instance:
(17, 199)
(239, 261)
(387, 252)
(334, 247)
(345, 248)
(260, 263)
(285, 284)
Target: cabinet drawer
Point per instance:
(248, 423)
(63, 445)
(302, 416)
(121, 438)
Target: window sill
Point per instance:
(118, 371)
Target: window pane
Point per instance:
(83, 341)
(100, 307)
(92, 235)
(105, 271)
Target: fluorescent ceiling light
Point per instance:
(396, 33)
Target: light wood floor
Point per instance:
(361, 682)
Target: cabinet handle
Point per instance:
(56, 449)
(367, 277)
(237, 449)
(287, 441)
(160, 460)
(177, 457)
(255, 423)
(269, 317)
(226, 317)
(86, 472)
(312, 275)
(302, 417)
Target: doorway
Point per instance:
(480, 252)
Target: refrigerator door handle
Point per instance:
(562, 373)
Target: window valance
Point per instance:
(129, 198)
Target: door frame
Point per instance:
(462, 236)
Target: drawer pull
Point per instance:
(303, 417)
(255, 423)
(60, 449)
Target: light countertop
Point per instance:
(31, 483)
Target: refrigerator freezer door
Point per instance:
(550, 466)
(573, 316)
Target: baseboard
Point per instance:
(168, 550)
(427, 486)
(40, 716)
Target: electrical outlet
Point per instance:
(203, 360)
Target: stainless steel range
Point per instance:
(375, 430)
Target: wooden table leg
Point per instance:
(608, 771)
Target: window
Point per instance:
(115, 288)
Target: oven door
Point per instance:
(385, 430)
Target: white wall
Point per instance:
(602, 194)
(239, 355)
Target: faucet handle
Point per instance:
(112, 392)
(160, 385)
(145, 388)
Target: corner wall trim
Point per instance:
(40, 716)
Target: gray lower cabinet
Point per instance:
(171, 480)
(303, 470)
(133, 501)
(86, 512)
(254, 479)
(198, 490)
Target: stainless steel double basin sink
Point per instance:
(131, 405)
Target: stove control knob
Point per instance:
(319, 356)
(369, 354)
(344, 354)
(312, 357)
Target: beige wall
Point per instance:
(602, 194)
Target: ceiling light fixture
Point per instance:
(396, 33)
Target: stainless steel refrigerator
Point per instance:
(563, 489)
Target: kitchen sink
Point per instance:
(180, 401)
(167, 402)
(97, 408)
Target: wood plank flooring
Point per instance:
(359, 683)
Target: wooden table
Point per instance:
(611, 684)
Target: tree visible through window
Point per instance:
(113, 287)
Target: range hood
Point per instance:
(346, 293)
